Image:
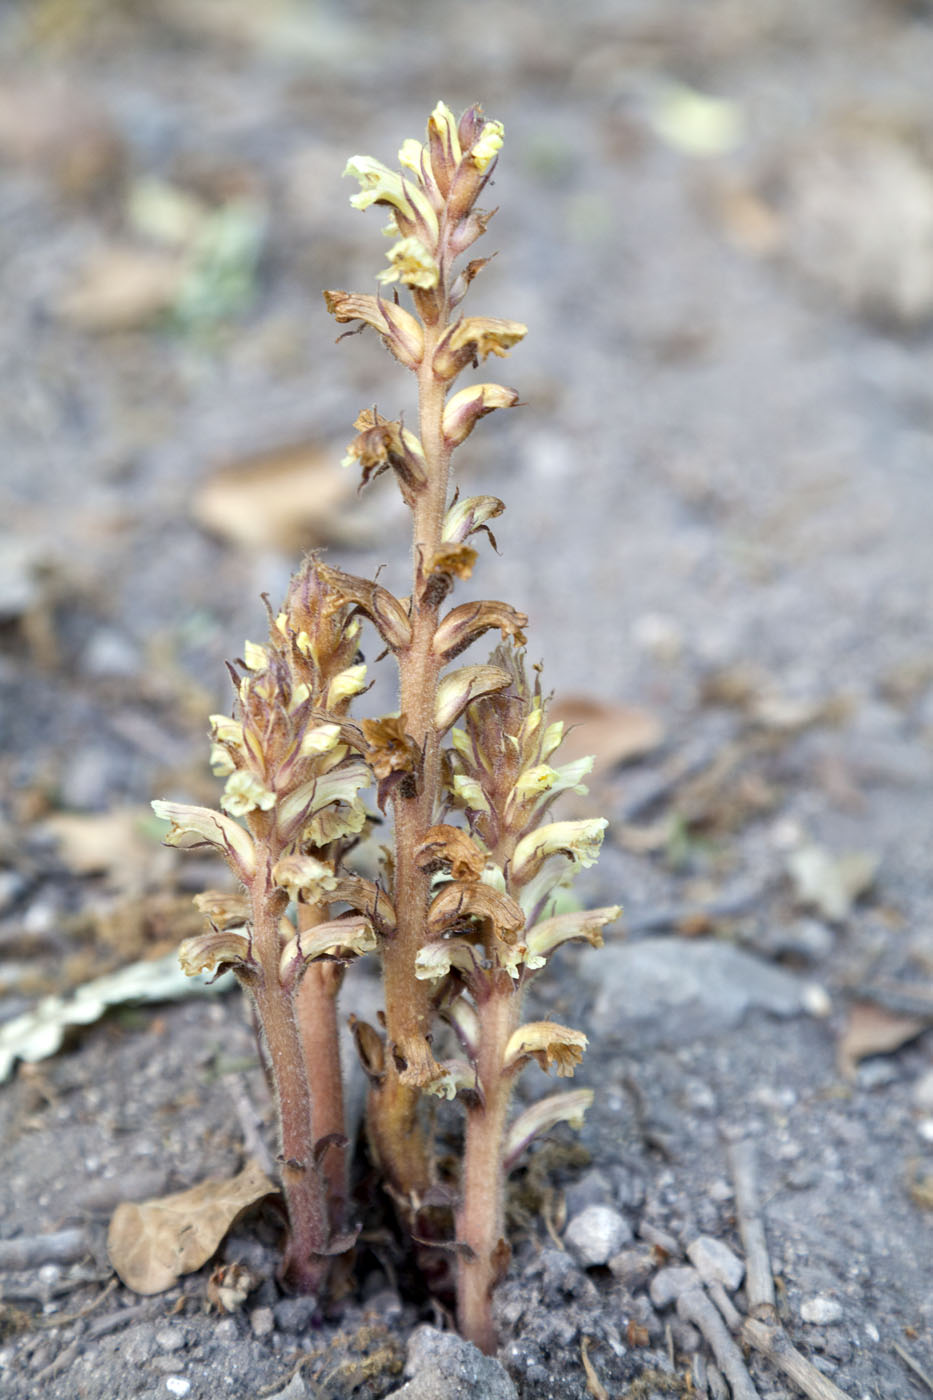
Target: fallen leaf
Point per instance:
(37, 1034)
(120, 844)
(121, 288)
(288, 499)
(152, 1244)
(831, 884)
(873, 1030)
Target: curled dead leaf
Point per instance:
(613, 734)
(874, 1030)
(152, 1244)
(287, 498)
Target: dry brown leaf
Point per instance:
(120, 288)
(113, 843)
(152, 1244)
(873, 1030)
(288, 499)
(613, 734)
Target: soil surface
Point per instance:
(717, 222)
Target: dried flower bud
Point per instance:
(464, 410)
(222, 910)
(468, 516)
(462, 686)
(548, 1043)
(245, 793)
(457, 1077)
(587, 924)
(217, 952)
(542, 1116)
(196, 827)
(340, 938)
(472, 339)
(382, 608)
(444, 146)
(452, 849)
(400, 330)
(383, 443)
(462, 625)
(461, 903)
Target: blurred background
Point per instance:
(717, 223)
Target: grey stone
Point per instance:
(593, 1188)
(109, 655)
(923, 1092)
(138, 1344)
(295, 1390)
(821, 1310)
(171, 1338)
(663, 992)
(633, 1267)
(442, 1366)
(685, 1337)
(295, 1314)
(262, 1321)
(668, 1284)
(715, 1262)
(596, 1234)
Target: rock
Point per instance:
(668, 1284)
(715, 1262)
(821, 1310)
(860, 225)
(177, 1385)
(685, 1337)
(593, 1188)
(109, 655)
(262, 1321)
(171, 1338)
(295, 1390)
(923, 1092)
(633, 1267)
(656, 992)
(442, 1366)
(295, 1314)
(596, 1234)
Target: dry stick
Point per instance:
(768, 1337)
(759, 1283)
(694, 1306)
(774, 1343)
(31, 1251)
(914, 1365)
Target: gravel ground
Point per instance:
(717, 223)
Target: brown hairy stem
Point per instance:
(481, 1218)
(305, 1263)
(316, 1013)
(395, 1130)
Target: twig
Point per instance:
(774, 1343)
(694, 1306)
(914, 1365)
(112, 1322)
(594, 1385)
(59, 1363)
(731, 1316)
(759, 1284)
(716, 1384)
(65, 1319)
(31, 1251)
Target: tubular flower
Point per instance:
(413, 211)
(412, 264)
(548, 1043)
(194, 827)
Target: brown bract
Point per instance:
(451, 848)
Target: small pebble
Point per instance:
(668, 1284)
(177, 1385)
(262, 1321)
(596, 1234)
(923, 1092)
(170, 1339)
(715, 1262)
(821, 1310)
(634, 1267)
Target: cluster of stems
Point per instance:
(462, 916)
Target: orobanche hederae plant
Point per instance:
(461, 917)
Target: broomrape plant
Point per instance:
(462, 915)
